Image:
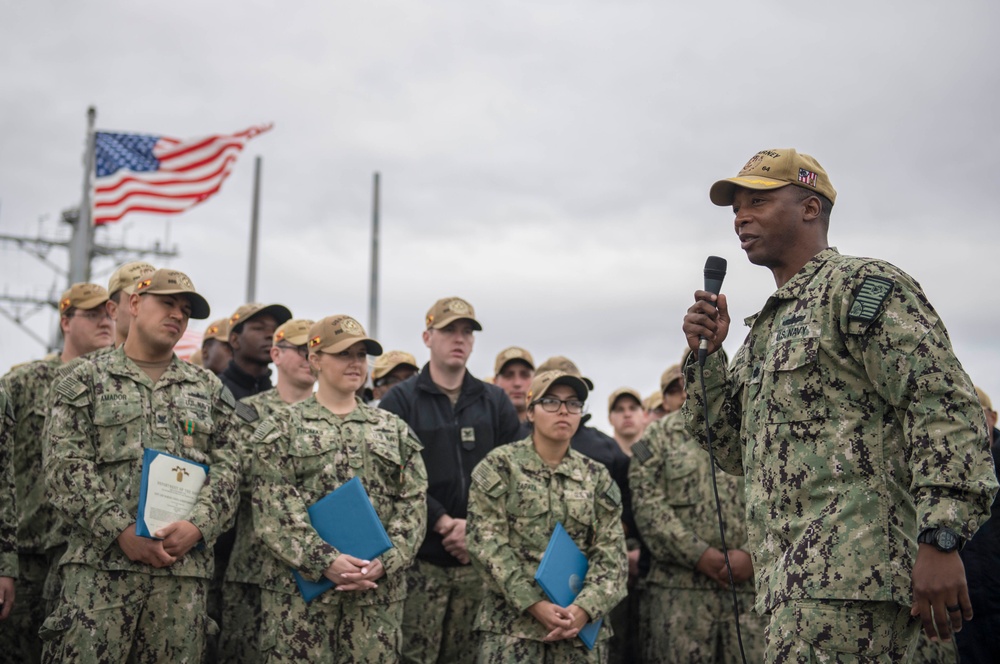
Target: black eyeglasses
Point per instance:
(303, 351)
(93, 315)
(388, 381)
(552, 405)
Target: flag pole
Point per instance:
(373, 287)
(82, 241)
(254, 225)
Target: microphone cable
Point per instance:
(718, 504)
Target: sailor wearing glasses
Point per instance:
(519, 492)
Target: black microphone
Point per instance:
(715, 272)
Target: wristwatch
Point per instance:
(943, 539)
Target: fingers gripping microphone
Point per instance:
(715, 272)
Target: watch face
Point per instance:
(947, 540)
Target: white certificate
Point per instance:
(170, 488)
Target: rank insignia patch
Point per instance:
(869, 298)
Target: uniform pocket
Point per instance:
(844, 627)
(119, 432)
(58, 623)
(680, 474)
(793, 381)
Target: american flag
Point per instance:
(159, 174)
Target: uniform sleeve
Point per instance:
(72, 480)
(408, 525)
(666, 535)
(908, 357)
(607, 576)
(724, 394)
(219, 500)
(8, 506)
(280, 515)
(488, 537)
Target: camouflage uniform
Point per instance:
(8, 498)
(104, 413)
(515, 502)
(241, 619)
(301, 457)
(688, 617)
(857, 428)
(28, 391)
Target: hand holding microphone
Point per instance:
(706, 323)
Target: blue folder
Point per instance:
(346, 520)
(148, 455)
(561, 575)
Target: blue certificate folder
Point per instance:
(346, 520)
(148, 455)
(561, 575)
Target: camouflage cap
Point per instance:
(561, 363)
(280, 313)
(623, 392)
(546, 380)
(172, 282)
(984, 399)
(336, 333)
(127, 276)
(82, 296)
(773, 169)
(294, 331)
(511, 354)
(653, 401)
(389, 361)
(672, 373)
(448, 310)
(218, 330)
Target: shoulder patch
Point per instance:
(640, 452)
(264, 429)
(71, 387)
(613, 496)
(869, 298)
(487, 479)
(227, 397)
(246, 412)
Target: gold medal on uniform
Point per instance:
(188, 433)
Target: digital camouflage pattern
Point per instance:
(856, 427)
(241, 611)
(440, 605)
(515, 501)
(103, 415)
(687, 614)
(501, 649)
(301, 457)
(8, 510)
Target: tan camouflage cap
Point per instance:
(511, 354)
(672, 373)
(561, 363)
(280, 313)
(623, 392)
(127, 276)
(218, 330)
(82, 296)
(546, 380)
(336, 333)
(295, 332)
(773, 169)
(653, 401)
(984, 399)
(448, 310)
(389, 361)
(172, 282)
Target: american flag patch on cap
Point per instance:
(807, 177)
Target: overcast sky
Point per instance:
(547, 161)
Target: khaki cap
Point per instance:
(336, 333)
(653, 401)
(172, 282)
(82, 296)
(623, 392)
(672, 373)
(218, 330)
(984, 399)
(511, 354)
(389, 361)
(280, 313)
(128, 275)
(448, 310)
(773, 169)
(295, 332)
(560, 363)
(546, 380)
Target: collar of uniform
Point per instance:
(312, 409)
(471, 386)
(122, 365)
(567, 466)
(242, 378)
(793, 289)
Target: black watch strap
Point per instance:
(943, 539)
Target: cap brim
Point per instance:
(448, 321)
(199, 305)
(91, 303)
(280, 313)
(722, 192)
(577, 384)
(514, 359)
(388, 370)
(373, 347)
